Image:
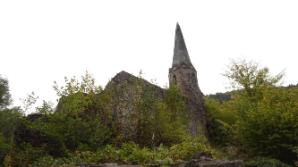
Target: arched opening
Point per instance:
(193, 78)
(174, 80)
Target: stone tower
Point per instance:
(184, 76)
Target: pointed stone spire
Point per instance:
(180, 50)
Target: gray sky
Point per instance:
(43, 41)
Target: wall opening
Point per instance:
(174, 80)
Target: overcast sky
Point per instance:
(43, 41)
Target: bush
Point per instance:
(187, 148)
(75, 132)
(45, 161)
(25, 155)
(4, 149)
(161, 121)
(265, 162)
(27, 135)
(266, 114)
(9, 118)
(220, 121)
(270, 128)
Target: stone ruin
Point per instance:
(127, 89)
(184, 76)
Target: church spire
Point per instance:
(184, 76)
(180, 50)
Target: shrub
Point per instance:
(128, 153)
(265, 162)
(185, 149)
(4, 149)
(132, 153)
(25, 155)
(220, 120)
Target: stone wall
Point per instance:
(185, 78)
(126, 92)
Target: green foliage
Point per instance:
(44, 161)
(190, 145)
(75, 132)
(81, 130)
(266, 114)
(4, 149)
(72, 86)
(4, 93)
(248, 76)
(46, 108)
(220, 118)
(25, 155)
(28, 102)
(8, 121)
(25, 135)
(131, 153)
(128, 153)
(265, 162)
(80, 99)
(161, 121)
(53, 136)
(259, 119)
(270, 129)
(221, 97)
(175, 103)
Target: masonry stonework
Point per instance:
(183, 75)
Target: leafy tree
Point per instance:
(73, 85)
(251, 80)
(75, 132)
(78, 96)
(271, 128)
(4, 93)
(46, 108)
(9, 119)
(4, 149)
(248, 76)
(28, 102)
(266, 114)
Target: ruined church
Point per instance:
(182, 74)
(125, 92)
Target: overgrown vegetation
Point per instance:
(256, 122)
(260, 119)
(82, 129)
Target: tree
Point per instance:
(267, 123)
(4, 93)
(73, 85)
(77, 96)
(250, 78)
(46, 108)
(9, 119)
(28, 102)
